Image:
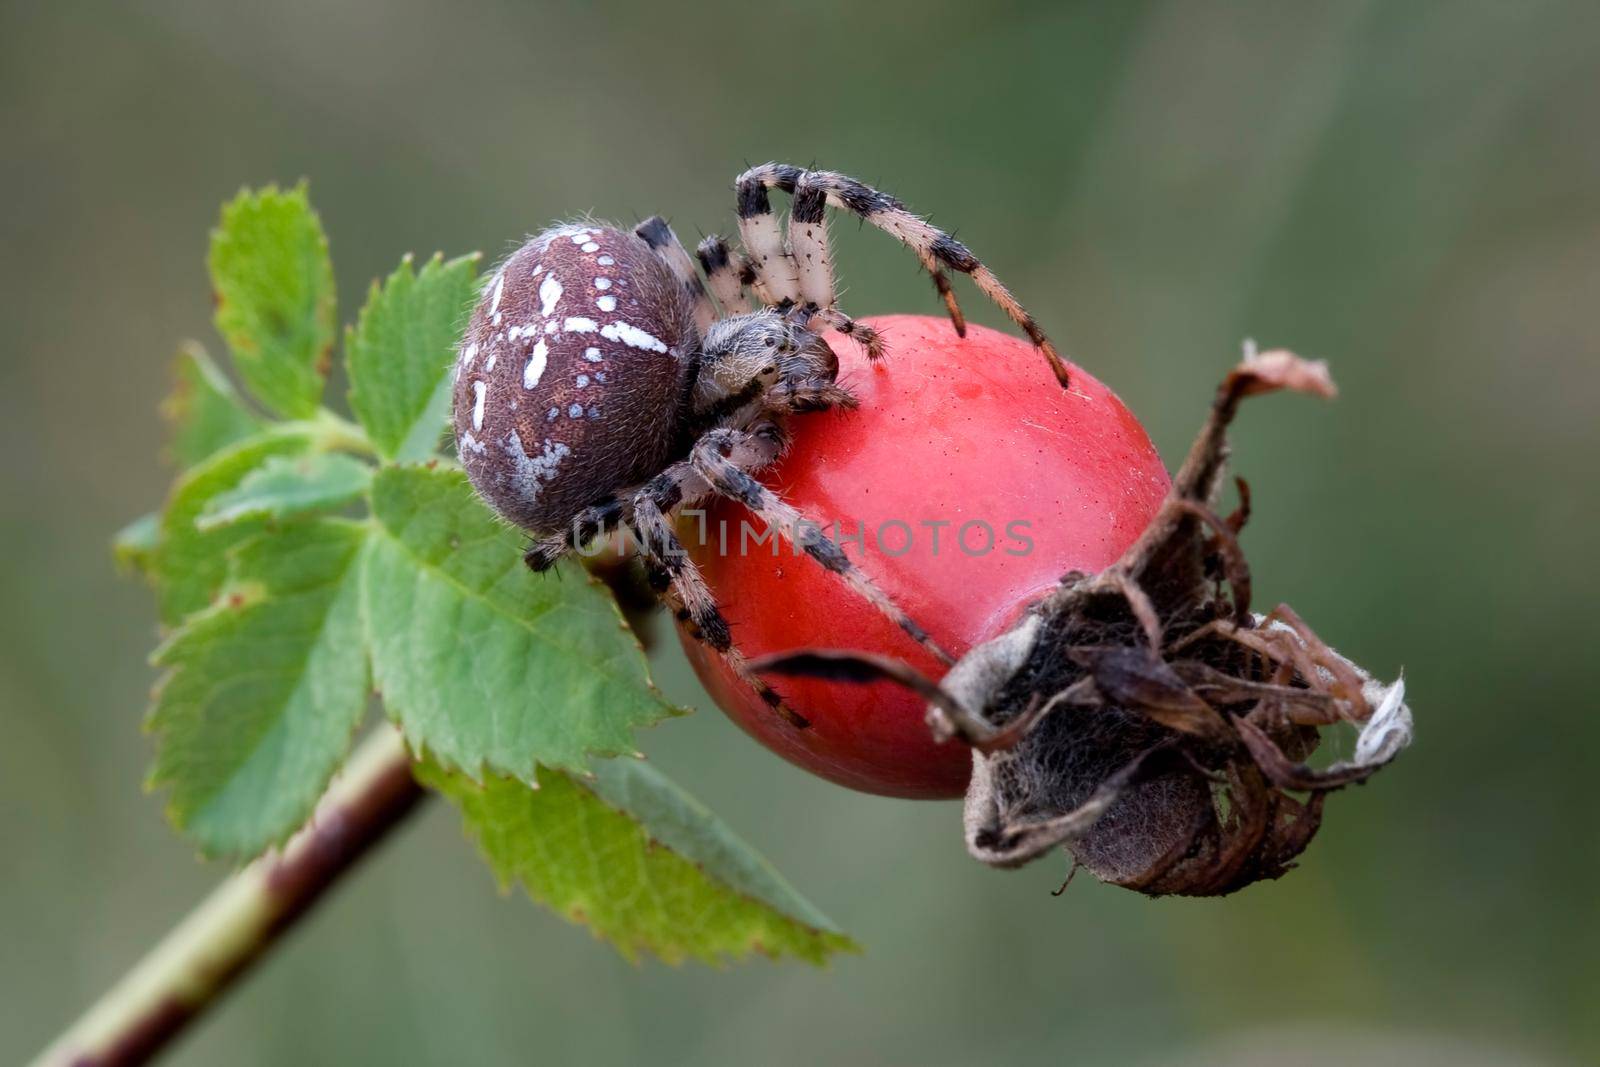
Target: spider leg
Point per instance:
(592, 522)
(808, 243)
(674, 575)
(807, 394)
(758, 228)
(724, 458)
(935, 248)
(812, 260)
(833, 318)
(781, 176)
(727, 273)
(665, 244)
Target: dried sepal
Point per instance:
(1144, 717)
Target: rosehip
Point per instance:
(1143, 718)
(966, 484)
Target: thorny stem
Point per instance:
(235, 926)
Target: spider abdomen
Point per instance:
(572, 373)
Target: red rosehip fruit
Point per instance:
(965, 485)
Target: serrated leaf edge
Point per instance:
(826, 941)
(236, 596)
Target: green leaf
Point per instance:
(264, 689)
(274, 291)
(399, 354)
(135, 545)
(646, 866)
(191, 563)
(484, 664)
(205, 411)
(285, 486)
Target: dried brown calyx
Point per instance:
(1144, 717)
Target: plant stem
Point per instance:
(235, 926)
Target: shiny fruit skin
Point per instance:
(958, 430)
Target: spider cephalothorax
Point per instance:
(598, 387)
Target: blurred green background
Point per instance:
(1410, 190)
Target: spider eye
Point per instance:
(769, 342)
(770, 368)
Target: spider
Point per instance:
(597, 389)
